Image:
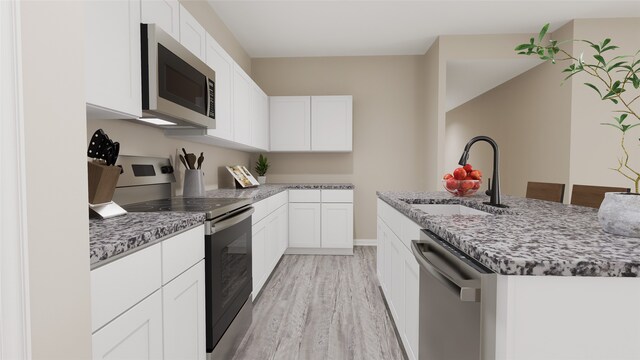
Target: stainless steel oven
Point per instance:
(176, 85)
(228, 280)
(457, 302)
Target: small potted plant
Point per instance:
(615, 79)
(262, 165)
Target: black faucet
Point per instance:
(495, 186)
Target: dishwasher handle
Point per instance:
(443, 268)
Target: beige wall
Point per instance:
(551, 132)
(143, 140)
(56, 179)
(433, 99)
(386, 113)
(207, 17)
(452, 47)
(594, 148)
(529, 117)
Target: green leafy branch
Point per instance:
(613, 78)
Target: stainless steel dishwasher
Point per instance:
(457, 302)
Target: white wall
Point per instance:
(56, 175)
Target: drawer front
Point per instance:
(182, 252)
(121, 284)
(304, 196)
(337, 196)
(277, 200)
(261, 210)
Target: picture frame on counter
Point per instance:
(242, 176)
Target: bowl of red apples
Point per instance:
(464, 181)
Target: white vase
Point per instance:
(620, 214)
(262, 180)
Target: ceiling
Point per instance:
(356, 28)
(300, 28)
(485, 75)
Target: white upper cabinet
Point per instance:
(311, 123)
(222, 64)
(242, 89)
(290, 123)
(112, 58)
(192, 34)
(331, 123)
(259, 118)
(164, 13)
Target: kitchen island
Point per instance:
(564, 288)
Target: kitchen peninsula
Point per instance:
(564, 288)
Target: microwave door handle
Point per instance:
(466, 290)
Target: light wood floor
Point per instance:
(322, 307)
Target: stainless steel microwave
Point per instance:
(177, 87)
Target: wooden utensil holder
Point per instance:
(102, 182)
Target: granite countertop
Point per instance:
(264, 191)
(109, 238)
(531, 237)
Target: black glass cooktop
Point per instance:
(213, 207)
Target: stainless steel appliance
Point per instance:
(457, 302)
(176, 85)
(147, 181)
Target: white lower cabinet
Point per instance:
(258, 243)
(337, 225)
(183, 303)
(321, 220)
(151, 304)
(269, 239)
(136, 334)
(411, 305)
(304, 225)
(399, 274)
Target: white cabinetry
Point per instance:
(304, 225)
(320, 221)
(184, 315)
(399, 273)
(259, 115)
(241, 106)
(311, 123)
(331, 123)
(269, 238)
(222, 64)
(164, 13)
(258, 258)
(192, 34)
(290, 123)
(136, 334)
(152, 302)
(112, 59)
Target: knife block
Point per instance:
(102, 182)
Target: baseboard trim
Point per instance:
(318, 251)
(365, 242)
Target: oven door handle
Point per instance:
(232, 219)
(443, 268)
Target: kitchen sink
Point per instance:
(448, 209)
